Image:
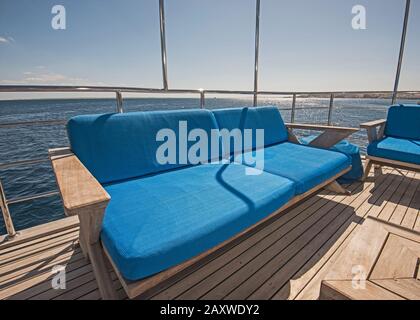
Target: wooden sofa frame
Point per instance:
(84, 196)
(375, 131)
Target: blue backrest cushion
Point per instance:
(267, 118)
(122, 146)
(403, 122)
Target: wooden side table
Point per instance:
(381, 262)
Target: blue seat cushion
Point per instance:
(403, 122)
(155, 222)
(306, 166)
(121, 146)
(266, 118)
(404, 150)
(351, 150)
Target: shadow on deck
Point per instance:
(286, 258)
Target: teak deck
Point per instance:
(286, 258)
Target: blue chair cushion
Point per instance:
(403, 122)
(351, 150)
(404, 150)
(267, 118)
(155, 222)
(121, 146)
(306, 166)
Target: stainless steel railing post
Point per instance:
(119, 102)
(330, 109)
(401, 55)
(163, 44)
(11, 232)
(292, 116)
(257, 49)
(202, 99)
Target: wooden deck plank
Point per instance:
(285, 259)
(82, 290)
(38, 258)
(40, 231)
(417, 225)
(21, 254)
(21, 248)
(407, 288)
(371, 292)
(74, 280)
(40, 282)
(413, 209)
(265, 258)
(396, 198)
(286, 264)
(277, 287)
(95, 295)
(33, 270)
(402, 207)
(312, 267)
(311, 289)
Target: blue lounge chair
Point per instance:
(153, 220)
(397, 141)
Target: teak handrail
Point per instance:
(330, 136)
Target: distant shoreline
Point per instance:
(301, 96)
(415, 96)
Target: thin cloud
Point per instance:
(45, 78)
(48, 77)
(6, 40)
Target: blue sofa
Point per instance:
(160, 216)
(397, 142)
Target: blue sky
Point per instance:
(305, 44)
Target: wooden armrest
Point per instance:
(84, 196)
(78, 188)
(331, 135)
(371, 124)
(371, 127)
(319, 127)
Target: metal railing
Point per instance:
(4, 202)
